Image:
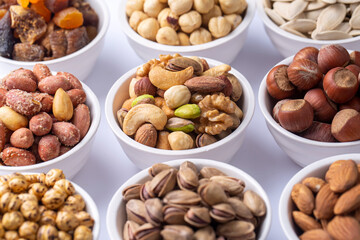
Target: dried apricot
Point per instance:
(68, 18)
(2, 13)
(40, 8)
(23, 3)
(36, 1)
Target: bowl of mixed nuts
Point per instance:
(191, 27)
(321, 201)
(311, 103)
(178, 107)
(47, 120)
(191, 198)
(295, 24)
(46, 206)
(66, 35)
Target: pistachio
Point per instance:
(132, 192)
(204, 139)
(255, 203)
(231, 185)
(178, 232)
(136, 211)
(180, 63)
(174, 214)
(180, 124)
(206, 233)
(187, 179)
(212, 193)
(163, 182)
(198, 217)
(130, 228)
(146, 98)
(154, 214)
(157, 168)
(240, 209)
(146, 192)
(235, 229)
(147, 232)
(222, 212)
(208, 172)
(182, 197)
(188, 111)
(120, 114)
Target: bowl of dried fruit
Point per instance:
(294, 24)
(47, 120)
(191, 198)
(46, 206)
(66, 35)
(193, 28)
(178, 107)
(321, 201)
(311, 103)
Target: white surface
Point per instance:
(259, 156)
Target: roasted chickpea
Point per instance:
(219, 27)
(65, 186)
(167, 36)
(48, 217)
(47, 232)
(83, 233)
(37, 177)
(52, 176)
(203, 6)
(148, 28)
(183, 39)
(30, 210)
(4, 188)
(9, 202)
(12, 220)
(74, 203)
(27, 197)
(53, 198)
(66, 221)
(18, 184)
(190, 21)
(11, 235)
(180, 6)
(153, 7)
(64, 236)
(234, 20)
(200, 36)
(38, 190)
(85, 219)
(28, 230)
(2, 231)
(135, 19)
(134, 5)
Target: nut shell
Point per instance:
(304, 74)
(278, 84)
(331, 56)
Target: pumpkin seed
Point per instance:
(318, 4)
(354, 33)
(300, 25)
(331, 17)
(274, 16)
(355, 18)
(331, 35)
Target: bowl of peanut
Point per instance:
(47, 121)
(311, 103)
(192, 28)
(200, 199)
(46, 206)
(65, 35)
(199, 108)
(321, 200)
(295, 24)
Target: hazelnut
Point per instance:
(331, 56)
(277, 108)
(345, 126)
(190, 21)
(230, 6)
(180, 141)
(167, 18)
(214, 12)
(319, 131)
(148, 28)
(278, 84)
(180, 6)
(153, 7)
(340, 84)
(296, 115)
(355, 57)
(144, 86)
(309, 53)
(167, 36)
(200, 36)
(134, 5)
(355, 69)
(304, 74)
(354, 103)
(135, 19)
(219, 27)
(183, 39)
(324, 109)
(234, 20)
(203, 6)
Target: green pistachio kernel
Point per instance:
(141, 98)
(188, 111)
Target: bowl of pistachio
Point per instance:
(201, 199)
(180, 107)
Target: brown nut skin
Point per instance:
(68, 133)
(22, 79)
(22, 138)
(331, 56)
(12, 156)
(144, 86)
(318, 131)
(324, 109)
(41, 124)
(147, 135)
(77, 96)
(51, 84)
(296, 115)
(22, 102)
(355, 69)
(81, 119)
(278, 84)
(74, 81)
(354, 103)
(340, 85)
(49, 147)
(46, 101)
(309, 53)
(355, 57)
(41, 71)
(345, 126)
(275, 112)
(304, 74)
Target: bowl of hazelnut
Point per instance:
(320, 201)
(201, 199)
(46, 206)
(47, 120)
(178, 107)
(191, 27)
(65, 35)
(295, 24)
(311, 103)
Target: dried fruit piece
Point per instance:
(23, 3)
(6, 37)
(28, 52)
(56, 5)
(68, 18)
(58, 43)
(40, 8)
(76, 39)
(89, 15)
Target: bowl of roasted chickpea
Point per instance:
(191, 27)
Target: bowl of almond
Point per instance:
(322, 200)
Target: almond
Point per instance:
(205, 84)
(12, 156)
(342, 175)
(147, 135)
(344, 228)
(305, 222)
(314, 183)
(303, 198)
(62, 106)
(324, 202)
(348, 201)
(316, 234)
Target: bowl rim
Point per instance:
(115, 203)
(95, 122)
(112, 121)
(134, 36)
(262, 94)
(297, 178)
(101, 34)
(271, 25)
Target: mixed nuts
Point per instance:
(186, 203)
(318, 19)
(184, 22)
(177, 103)
(42, 116)
(42, 206)
(329, 208)
(317, 94)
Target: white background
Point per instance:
(108, 167)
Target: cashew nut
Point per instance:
(164, 79)
(217, 70)
(142, 113)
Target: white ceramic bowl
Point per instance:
(79, 63)
(116, 215)
(316, 169)
(288, 44)
(144, 156)
(224, 49)
(303, 151)
(72, 161)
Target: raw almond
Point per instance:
(12, 156)
(324, 203)
(81, 119)
(342, 175)
(313, 183)
(316, 234)
(62, 106)
(305, 222)
(11, 119)
(303, 198)
(147, 135)
(348, 201)
(344, 228)
(205, 84)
